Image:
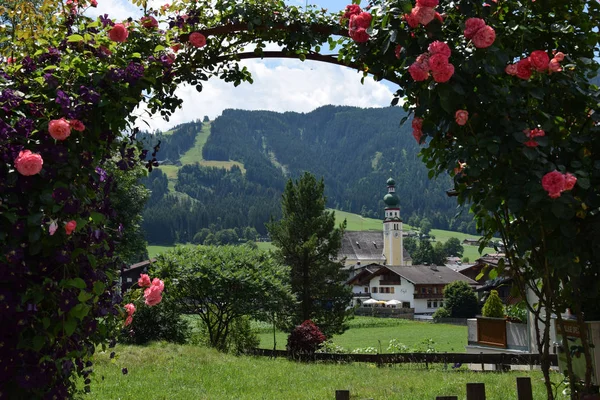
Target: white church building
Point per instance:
(381, 269)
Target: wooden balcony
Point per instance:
(389, 283)
(428, 296)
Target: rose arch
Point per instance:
(500, 92)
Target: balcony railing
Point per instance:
(428, 296)
(389, 282)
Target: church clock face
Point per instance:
(396, 234)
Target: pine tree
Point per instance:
(308, 241)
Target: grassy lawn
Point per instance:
(167, 371)
(155, 250)
(377, 333)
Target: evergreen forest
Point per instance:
(234, 170)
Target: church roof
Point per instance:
(364, 245)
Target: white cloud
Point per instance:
(289, 86)
(116, 9)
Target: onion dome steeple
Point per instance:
(391, 200)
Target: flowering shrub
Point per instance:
(305, 338)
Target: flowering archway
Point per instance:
(501, 98)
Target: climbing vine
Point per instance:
(500, 92)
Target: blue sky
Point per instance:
(279, 85)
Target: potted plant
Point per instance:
(491, 326)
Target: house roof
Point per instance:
(364, 245)
(142, 264)
(423, 274)
(364, 274)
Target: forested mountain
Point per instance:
(354, 149)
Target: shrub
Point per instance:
(493, 306)
(396, 347)
(517, 313)
(441, 313)
(163, 322)
(460, 300)
(305, 338)
(242, 336)
(331, 348)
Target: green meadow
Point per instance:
(164, 371)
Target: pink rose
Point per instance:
(511, 69)
(53, 227)
(359, 35)
(428, 3)
(77, 125)
(130, 308)
(152, 296)
(539, 60)
(461, 117)
(417, 134)
(158, 283)
(59, 129)
(559, 56)
(553, 183)
(438, 47)
(524, 68)
(28, 163)
(197, 39)
(149, 22)
(144, 280)
(412, 20)
(362, 20)
(94, 3)
(439, 17)
(118, 33)
(570, 181)
(536, 132)
(417, 123)
(397, 51)
(472, 25)
(128, 320)
(554, 66)
(484, 37)
(424, 14)
(531, 143)
(352, 9)
(176, 47)
(418, 71)
(438, 62)
(444, 75)
(70, 227)
(423, 59)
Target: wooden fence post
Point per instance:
(475, 391)
(524, 391)
(342, 395)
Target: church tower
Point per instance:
(393, 247)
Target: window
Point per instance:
(405, 304)
(374, 290)
(392, 290)
(441, 304)
(435, 304)
(428, 303)
(423, 290)
(129, 280)
(435, 290)
(366, 290)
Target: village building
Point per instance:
(381, 271)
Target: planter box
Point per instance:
(491, 331)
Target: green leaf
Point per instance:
(76, 282)
(493, 273)
(159, 48)
(69, 326)
(80, 311)
(99, 287)
(38, 342)
(75, 38)
(583, 183)
(97, 217)
(84, 296)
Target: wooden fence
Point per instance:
(475, 391)
(426, 358)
